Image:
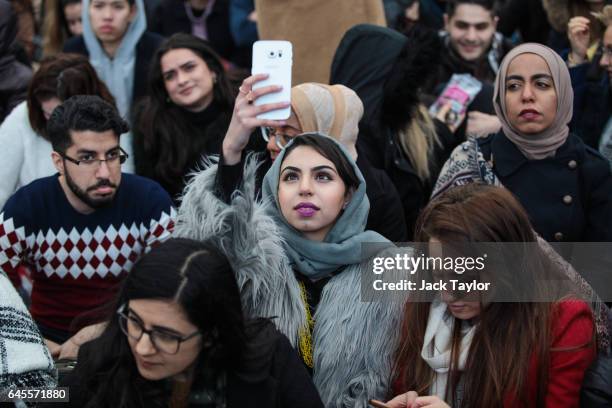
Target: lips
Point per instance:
(106, 28)
(529, 114)
(186, 91)
(306, 209)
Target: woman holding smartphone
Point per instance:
(298, 252)
(472, 351)
(177, 337)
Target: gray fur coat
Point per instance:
(353, 340)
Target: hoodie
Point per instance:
(118, 72)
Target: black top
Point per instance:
(568, 197)
(201, 133)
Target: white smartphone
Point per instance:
(274, 58)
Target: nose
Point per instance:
(272, 147)
(527, 93)
(470, 35)
(305, 185)
(145, 346)
(181, 77)
(103, 171)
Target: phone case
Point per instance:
(274, 58)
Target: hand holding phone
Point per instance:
(274, 58)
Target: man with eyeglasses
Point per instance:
(82, 229)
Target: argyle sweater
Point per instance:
(78, 260)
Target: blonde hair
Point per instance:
(418, 140)
(605, 16)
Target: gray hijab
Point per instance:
(545, 143)
(342, 244)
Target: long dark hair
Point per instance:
(62, 76)
(198, 278)
(170, 141)
(508, 335)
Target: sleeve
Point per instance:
(244, 31)
(597, 181)
(13, 240)
(228, 178)
(296, 389)
(162, 218)
(572, 352)
(11, 135)
(26, 361)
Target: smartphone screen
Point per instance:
(274, 58)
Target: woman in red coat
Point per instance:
(464, 350)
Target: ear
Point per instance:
(58, 162)
(446, 27)
(495, 21)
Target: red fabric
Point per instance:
(572, 327)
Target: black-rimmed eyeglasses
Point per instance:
(112, 158)
(163, 341)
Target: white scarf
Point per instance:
(436, 349)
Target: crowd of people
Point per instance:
(162, 244)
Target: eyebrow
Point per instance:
(536, 76)
(180, 66)
(154, 327)
(316, 168)
(86, 151)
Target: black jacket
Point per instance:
(567, 197)
(145, 50)
(171, 18)
(386, 69)
(272, 375)
(596, 389)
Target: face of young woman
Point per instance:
(531, 98)
(72, 12)
(167, 317)
(311, 194)
(459, 308)
(188, 80)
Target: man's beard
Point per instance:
(84, 197)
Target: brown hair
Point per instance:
(62, 76)
(507, 335)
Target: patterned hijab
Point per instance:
(544, 144)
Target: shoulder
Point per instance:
(18, 118)
(143, 190)
(30, 197)
(594, 165)
(572, 323)
(150, 41)
(76, 44)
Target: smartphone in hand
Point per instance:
(274, 58)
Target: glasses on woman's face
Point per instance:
(281, 139)
(163, 341)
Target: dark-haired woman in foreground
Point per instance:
(475, 352)
(178, 339)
